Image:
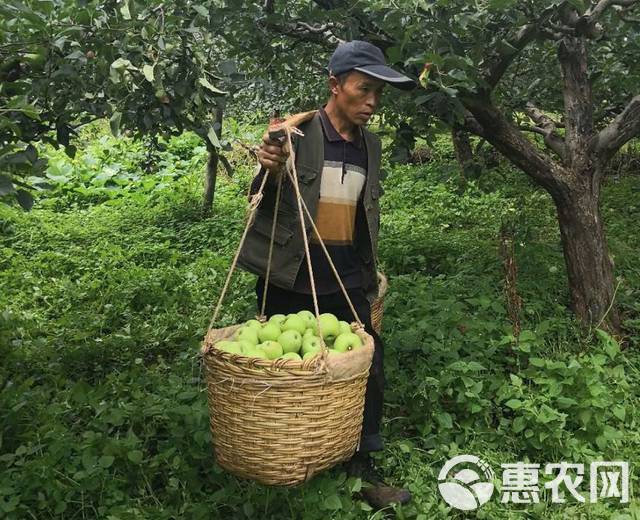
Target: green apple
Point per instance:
(246, 345)
(291, 355)
(269, 332)
(308, 333)
(247, 334)
(347, 341)
(310, 354)
(254, 324)
(256, 352)
(272, 349)
(308, 318)
(329, 326)
(279, 319)
(311, 344)
(294, 322)
(344, 327)
(233, 347)
(291, 340)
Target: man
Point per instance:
(337, 162)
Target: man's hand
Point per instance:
(273, 153)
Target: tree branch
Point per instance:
(596, 12)
(321, 34)
(546, 128)
(508, 140)
(622, 129)
(523, 37)
(471, 125)
(586, 25)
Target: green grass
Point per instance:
(107, 287)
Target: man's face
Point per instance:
(358, 97)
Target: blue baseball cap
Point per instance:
(368, 59)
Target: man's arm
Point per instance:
(274, 151)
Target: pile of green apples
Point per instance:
(291, 336)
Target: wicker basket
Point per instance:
(281, 422)
(377, 307)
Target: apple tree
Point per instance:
(153, 68)
(509, 72)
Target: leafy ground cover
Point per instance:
(107, 286)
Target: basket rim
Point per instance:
(310, 365)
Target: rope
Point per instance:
(273, 235)
(333, 267)
(252, 208)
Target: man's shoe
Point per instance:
(375, 491)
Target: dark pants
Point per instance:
(282, 301)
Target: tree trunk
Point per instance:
(589, 267)
(464, 154)
(212, 167)
(210, 179)
(462, 146)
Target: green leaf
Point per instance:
(610, 345)
(514, 403)
(88, 460)
(148, 72)
(6, 186)
(248, 509)
(124, 10)
(579, 5)
(332, 503)
(518, 424)
(445, 420)
(205, 83)
(135, 456)
(501, 4)
(114, 123)
(25, 199)
(405, 447)
(620, 412)
(121, 64)
(213, 138)
(201, 10)
(106, 461)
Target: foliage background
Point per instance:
(107, 286)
